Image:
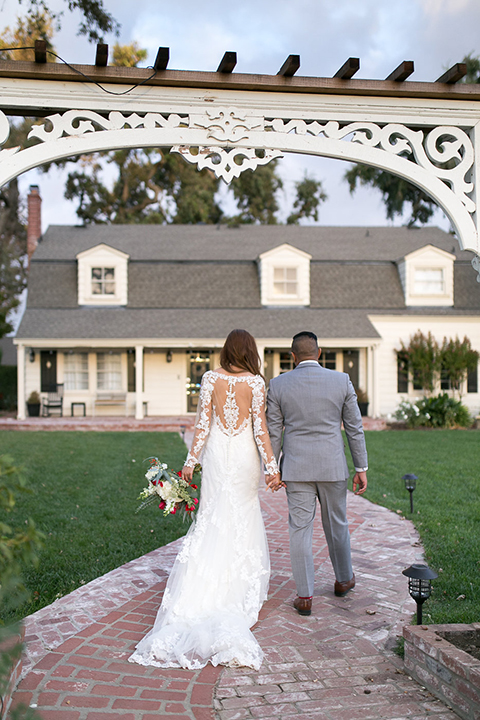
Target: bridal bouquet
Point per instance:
(174, 493)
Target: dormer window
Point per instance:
(103, 281)
(285, 276)
(429, 281)
(426, 275)
(285, 281)
(102, 276)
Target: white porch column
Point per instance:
(139, 382)
(370, 388)
(261, 352)
(376, 394)
(21, 382)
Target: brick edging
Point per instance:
(451, 674)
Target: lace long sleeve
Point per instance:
(202, 422)
(260, 430)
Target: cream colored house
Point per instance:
(128, 318)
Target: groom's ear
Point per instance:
(319, 352)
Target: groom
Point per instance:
(305, 411)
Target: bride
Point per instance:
(220, 577)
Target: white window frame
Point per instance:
(75, 377)
(285, 280)
(103, 281)
(104, 257)
(426, 282)
(112, 369)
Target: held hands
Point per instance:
(187, 473)
(274, 482)
(360, 483)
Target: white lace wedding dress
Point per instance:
(220, 577)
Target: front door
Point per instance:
(198, 364)
(48, 371)
(350, 365)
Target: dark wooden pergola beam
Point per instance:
(454, 74)
(161, 61)
(40, 51)
(227, 63)
(348, 69)
(101, 57)
(290, 66)
(402, 72)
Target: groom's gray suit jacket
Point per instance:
(307, 406)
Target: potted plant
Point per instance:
(33, 404)
(362, 399)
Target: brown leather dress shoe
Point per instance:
(342, 588)
(303, 605)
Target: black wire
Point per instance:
(87, 77)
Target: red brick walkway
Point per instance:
(335, 665)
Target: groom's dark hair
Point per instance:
(305, 344)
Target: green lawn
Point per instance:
(85, 489)
(85, 494)
(446, 508)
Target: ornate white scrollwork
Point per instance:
(76, 122)
(4, 128)
(446, 152)
(226, 163)
(227, 124)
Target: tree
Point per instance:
(422, 357)
(255, 193)
(398, 194)
(96, 21)
(12, 221)
(309, 196)
(457, 359)
(38, 25)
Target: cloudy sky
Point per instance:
(433, 33)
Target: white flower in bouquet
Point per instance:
(152, 472)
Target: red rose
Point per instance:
(174, 510)
(160, 483)
(179, 474)
(195, 487)
(162, 505)
(195, 501)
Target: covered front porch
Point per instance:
(158, 378)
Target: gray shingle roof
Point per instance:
(180, 323)
(247, 242)
(200, 281)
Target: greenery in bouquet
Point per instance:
(175, 493)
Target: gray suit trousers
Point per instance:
(302, 505)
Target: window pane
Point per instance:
(285, 281)
(286, 362)
(109, 371)
(75, 371)
(402, 375)
(328, 359)
(472, 381)
(103, 281)
(429, 281)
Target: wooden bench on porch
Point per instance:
(105, 399)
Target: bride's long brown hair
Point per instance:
(240, 351)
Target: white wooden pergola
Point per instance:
(427, 133)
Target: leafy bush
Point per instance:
(441, 411)
(17, 547)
